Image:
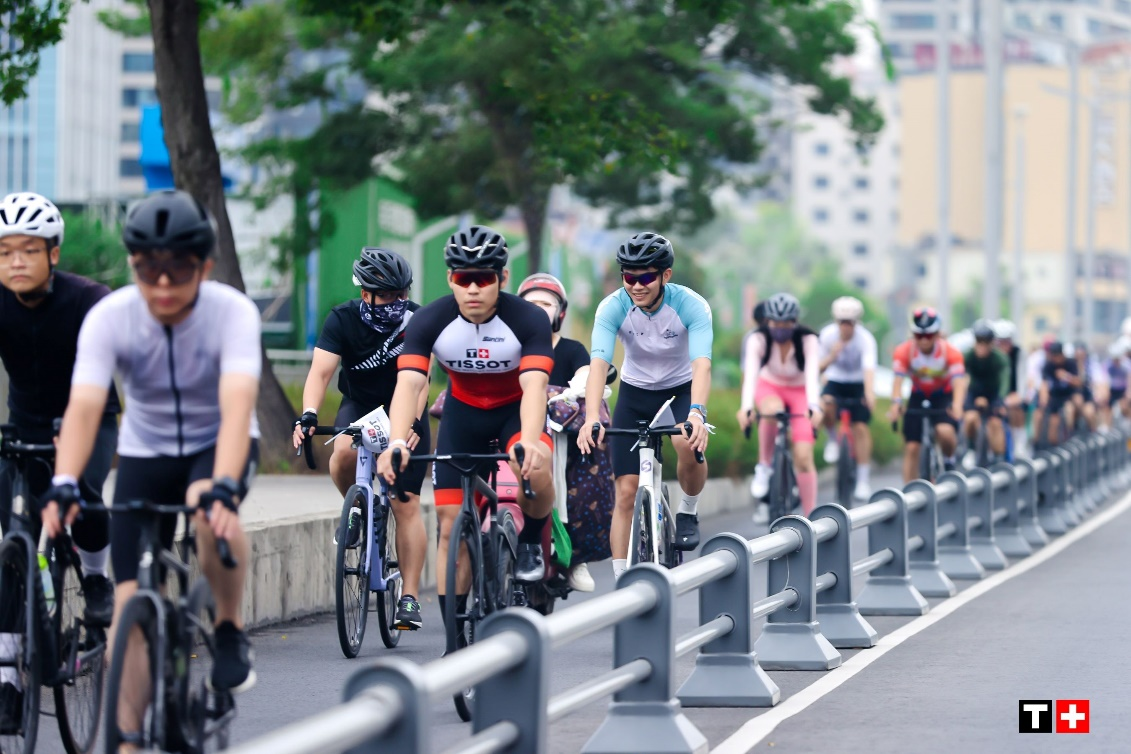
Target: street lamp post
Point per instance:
(1016, 304)
(942, 94)
(992, 33)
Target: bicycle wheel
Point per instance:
(204, 715)
(132, 714)
(640, 536)
(82, 653)
(982, 447)
(781, 487)
(460, 628)
(845, 472)
(21, 643)
(351, 597)
(385, 537)
(670, 557)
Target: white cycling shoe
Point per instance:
(760, 485)
(832, 451)
(580, 580)
(863, 490)
(762, 514)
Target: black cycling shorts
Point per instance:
(996, 401)
(913, 421)
(1057, 401)
(412, 480)
(163, 480)
(1117, 394)
(857, 411)
(634, 404)
(467, 429)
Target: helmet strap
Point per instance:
(651, 305)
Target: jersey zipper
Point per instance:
(176, 393)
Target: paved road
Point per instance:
(960, 677)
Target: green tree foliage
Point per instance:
(28, 28)
(93, 248)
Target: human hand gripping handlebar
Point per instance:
(223, 549)
(646, 432)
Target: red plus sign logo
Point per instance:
(484, 353)
(1072, 716)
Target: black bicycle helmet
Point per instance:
(479, 247)
(646, 250)
(925, 321)
(782, 307)
(983, 331)
(1054, 348)
(381, 270)
(172, 220)
(759, 312)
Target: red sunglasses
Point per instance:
(478, 278)
(645, 279)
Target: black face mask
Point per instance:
(384, 318)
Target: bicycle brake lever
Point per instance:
(595, 430)
(520, 458)
(308, 450)
(398, 493)
(225, 553)
(687, 428)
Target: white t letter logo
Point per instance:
(1035, 710)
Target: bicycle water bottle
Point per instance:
(48, 583)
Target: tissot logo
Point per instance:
(471, 353)
(1035, 716)
(1041, 716)
(1073, 716)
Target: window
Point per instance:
(1040, 324)
(921, 270)
(1056, 21)
(913, 20)
(860, 249)
(129, 168)
(1022, 21)
(1122, 6)
(861, 283)
(139, 97)
(131, 132)
(820, 182)
(860, 216)
(820, 215)
(821, 148)
(861, 182)
(137, 62)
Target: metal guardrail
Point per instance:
(919, 539)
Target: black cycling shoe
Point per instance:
(99, 595)
(530, 566)
(231, 666)
(686, 531)
(949, 465)
(11, 709)
(408, 614)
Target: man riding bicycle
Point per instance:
(781, 373)
(848, 360)
(667, 337)
(497, 351)
(1094, 390)
(988, 371)
(938, 375)
(364, 336)
(41, 311)
(1060, 382)
(1005, 333)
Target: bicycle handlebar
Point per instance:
(455, 458)
(684, 430)
(223, 549)
(781, 417)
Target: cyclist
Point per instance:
(1060, 381)
(188, 353)
(667, 337)
(1005, 333)
(1118, 368)
(988, 372)
(498, 354)
(41, 311)
(938, 374)
(364, 336)
(848, 360)
(1094, 392)
(782, 372)
(570, 358)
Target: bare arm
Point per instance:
(961, 385)
(869, 387)
(700, 391)
(237, 403)
(532, 413)
(322, 367)
(594, 391)
(422, 402)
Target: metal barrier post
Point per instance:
(791, 637)
(923, 521)
(1100, 489)
(841, 622)
(888, 590)
(982, 543)
(1049, 493)
(646, 718)
(1028, 522)
(1068, 489)
(726, 670)
(1081, 477)
(518, 695)
(955, 557)
(413, 732)
(1007, 531)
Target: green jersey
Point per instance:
(989, 376)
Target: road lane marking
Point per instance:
(757, 728)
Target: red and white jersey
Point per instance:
(929, 372)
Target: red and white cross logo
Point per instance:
(1072, 716)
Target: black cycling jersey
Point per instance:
(369, 358)
(1056, 385)
(38, 347)
(569, 356)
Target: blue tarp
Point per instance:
(154, 157)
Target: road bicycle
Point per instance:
(784, 495)
(846, 461)
(175, 710)
(487, 532)
(984, 456)
(652, 538)
(930, 457)
(365, 541)
(56, 647)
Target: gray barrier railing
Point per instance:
(919, 539)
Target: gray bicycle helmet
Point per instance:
(646, 250)
(983, 331)
(781, 307)
(479, 247)
(172, 220)
(381, 270)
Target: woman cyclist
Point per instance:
(781, 372)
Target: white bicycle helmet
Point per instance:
(28, 214)
(848, 308)
(1005, 330)
(1125, 328)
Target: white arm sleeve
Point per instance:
(870, 356)
(812, 370)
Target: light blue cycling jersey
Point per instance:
(658, 347)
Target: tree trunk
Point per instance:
(533, 205)
(195, 162)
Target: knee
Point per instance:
(803, 457)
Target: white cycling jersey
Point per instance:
(170, 375)
(857, 356)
